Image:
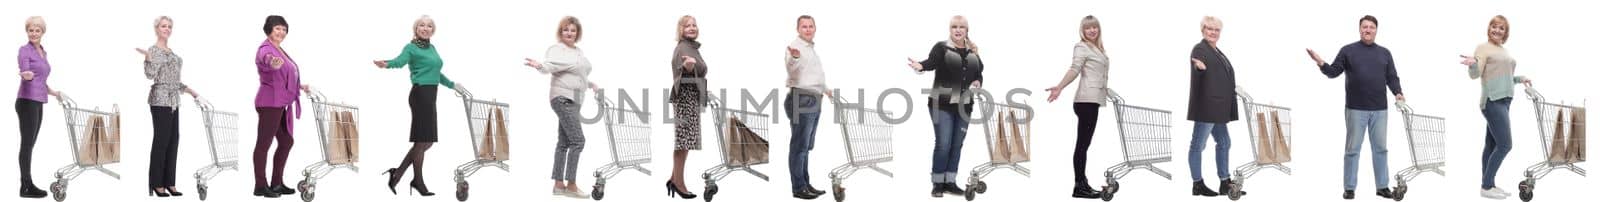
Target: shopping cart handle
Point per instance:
(1534, 94)
(709, 97)
(1404, 108)
(66, 101)
(1112, 95)
(205, 105)
(462, 92)
(1243, 95)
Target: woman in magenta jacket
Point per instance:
(279, 94)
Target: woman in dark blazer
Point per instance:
(1211, 104)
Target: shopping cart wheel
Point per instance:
(1114, 187)
(202, 189)
(972, 191)
(1236, 192)
(711, 190)
(1400, 192)
(461, 190)
(1108, 193)
(1525, 190)
(838, 193)
(58, 191)
(982, 187)
(308, 191)
(598, 192)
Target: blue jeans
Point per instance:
(1198, 144)
(1497, 138)
(804, 110)
(1375, 125)
(950, 131)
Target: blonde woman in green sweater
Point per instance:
(423, 59)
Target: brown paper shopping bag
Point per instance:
(755, 147)
(1558, 141)
(336, 149)
(1280, 142)
(109, 145)
(502, 138)
(353, 130)
(731, 137)
(1263, 140)
(88, 152)
(1000, 152)
(486, 145)
(1020, 139)
(1576, 143)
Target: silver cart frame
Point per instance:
(1546, 112)
(1146, 135)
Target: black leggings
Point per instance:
(163, 147)
(29, 115)
(1088, 116)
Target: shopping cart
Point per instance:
(1146, 140)
(79, 121)
(1279, 121)
(479, 114)
(324, 108)
(222, 134)
(630, 143)
(1426, 134)
(755, 122)
(991, 129)
(869, 142)
(1547, 113)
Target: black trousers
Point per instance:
(163, 147)
(1088, 116)
(29, 115)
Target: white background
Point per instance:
(863, 44)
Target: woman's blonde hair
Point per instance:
(418, 23)
(1210, 21)
(682, 22)
(34, 21)
(1091, 22)
(569, 20)
(1500, 20)
(968, 37)
(161, 18)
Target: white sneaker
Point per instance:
(579, 194)
(1491, 194)
(1500, 191)
(557, 192)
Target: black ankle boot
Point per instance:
(1085, 192)
(1201, 190)
(29, 191)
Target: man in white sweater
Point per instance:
(806, 87)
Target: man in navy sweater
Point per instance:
(1368, 70)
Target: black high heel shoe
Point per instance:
(422, 189)
(158, 194)
(393, 180)
(673, 191)
(174, 192)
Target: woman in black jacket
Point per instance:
(957, 69)
(1211, 104)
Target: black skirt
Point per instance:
(424, 113)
